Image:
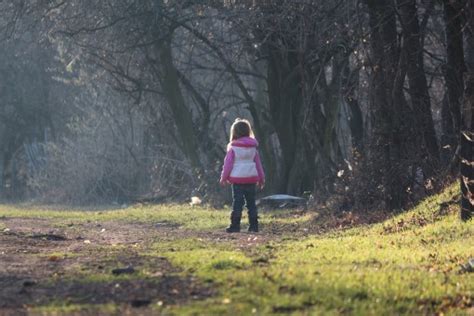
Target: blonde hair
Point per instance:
(240, 128)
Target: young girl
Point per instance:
(243, 169)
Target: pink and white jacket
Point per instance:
(242, 163)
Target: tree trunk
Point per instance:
(286, 101)
(356, 121)
(387, 107)
(181, 114)
(454, 70)
(418, 86)
(2, 174)
(285, 98)
(467, 127)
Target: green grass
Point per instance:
(196, 218)
(409, 264)
(367, 270)
(63, 308)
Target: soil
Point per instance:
(41, 261)
(41, 264)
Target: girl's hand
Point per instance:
(261, 185)
(223, 182)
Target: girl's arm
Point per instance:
(261, 174)
(228, 164)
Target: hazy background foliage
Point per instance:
(131, 100)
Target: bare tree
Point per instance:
(455, 68)
(418, 86)
(467, 128)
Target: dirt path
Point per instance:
(43, 260)
(41, 263)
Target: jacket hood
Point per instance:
(245, 142)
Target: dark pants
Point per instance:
(244, 194)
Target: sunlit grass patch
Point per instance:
(80, 276)
(397, 270)
(65, 308)
(430, 210)
(196, 218)
(209, 261)
(172, 215)
(402, 270)
(162, 246)
(361, 271)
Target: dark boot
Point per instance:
(253, 227)
(234, 225)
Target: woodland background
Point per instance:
(369, 102)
